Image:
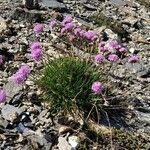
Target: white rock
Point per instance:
(111, 34)
(131, 50)
(3, 25)
(63, 144)
(73, 141)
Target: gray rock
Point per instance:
(139, 69)
(83, 1)
(10, 112)
(44, 117)
(36, 138)
(3, 122)
(111, 34)
(25, 15)
(121, 2)
(144, 117)
(12, 90)
(30, 4)
(3, 25)
(90, 7)
(63, 144)
(17, 98)
(40, 140)
(43, 113)
(52, 4)
(25, 131)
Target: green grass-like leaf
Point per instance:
(66, 82)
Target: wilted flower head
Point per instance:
(1, 59)
(2, 95)
(99, 58)
(97, 87)
(77, 31)
(52, 23)
(113, 58)
(133, 59)
(21, 75)
(37, 54)
(38, 28)
(66, 20)
(36, 45)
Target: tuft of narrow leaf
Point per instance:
(66, 83)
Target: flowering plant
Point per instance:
(72, 82)
(66, 83)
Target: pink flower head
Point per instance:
(21, 75)
(99, 58)
(1, 59)
(25, 70)
(89, 35)
(37, 54)
(2, 95)
(69, 26)
(94, 38)
(82, 32)
(97, 87)
(66, 20)
(17, 78)
(123, 50)
(113, 58)
(36, 45)
(133, 59)
(77, 31)
(115, 44)
(106, 47)
(38, 28)
(52, 23)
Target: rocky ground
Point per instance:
(26, 123)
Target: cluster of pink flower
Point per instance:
(111, 50)
(18, 78)
(38, 28)
(97, 87)
(24, 71)
(21, 75)
(68, 26)
(36, 51)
